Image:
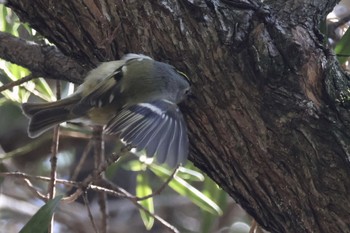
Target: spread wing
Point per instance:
(158, 127)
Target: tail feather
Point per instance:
(30, 109)
(46, 119)
(44, 116)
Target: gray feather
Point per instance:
(165, 139)
(172, 152)
(155, 139)
(183, 143)
(158, 127)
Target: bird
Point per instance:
(135, 98)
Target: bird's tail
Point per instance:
(44, 116)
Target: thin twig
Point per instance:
(132, 198)
(340, 22)
(253, 226)
(98, 159)
(24, 149)
(17, 82)
(80, 185)
(109, 188)
(42, 178)
(81, 163)
(86, 201)
(34, 190)
(161, 188)
(116, 189)
(53, 159)
(108, 185)
(102, 202)
(91, 178)
(259, 229)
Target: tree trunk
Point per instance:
(269, 121)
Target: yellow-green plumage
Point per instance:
(135, 98)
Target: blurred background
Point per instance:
(192, 203)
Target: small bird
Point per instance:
(135, 98)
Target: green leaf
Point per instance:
(3, 22)
(342, 49)
(143, 189)
(39, 223)
(44, 90)
(17, 71)
(182, 187)
(9, 22)
(211, 190)
(190, 174)
(11, 72)
(134, 165)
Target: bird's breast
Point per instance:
(101, 115)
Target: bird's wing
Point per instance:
(102, 85)
(99, 92)
(157, 126)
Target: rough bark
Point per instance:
(270, 119)
(46, 61)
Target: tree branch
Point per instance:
(266, 124)
(42, 60)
